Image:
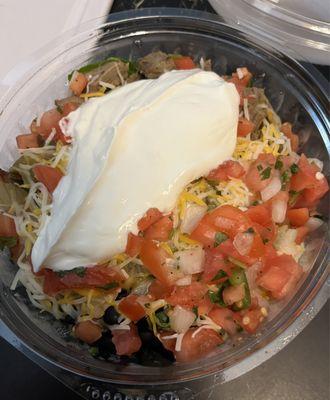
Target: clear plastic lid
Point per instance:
(299, 27)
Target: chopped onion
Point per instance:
(191, 261)
(185, 281)
(313, 223)
(181, 319)
(271, 189)
(193, 214)
(233, 294)
(278, 211)
(243, 242)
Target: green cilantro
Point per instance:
(293, 196)
(220, 274)
(294, 168)
(216, 296)
(7, 241)
(219, 238)
(195, 311)
(265, 174)
(259, 167)
(162, 319)
(279, 164)
(109, 286)
(255, 203)
(285, 178)
(93, 351)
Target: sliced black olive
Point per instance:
(152, 351)
(123, 293)
(105, 346)
(111, 316)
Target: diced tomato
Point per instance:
(241, 84)
(200, 345)
(69, 107)
(229, 220)
(244, 127)
(204, 232)
(305, 177)
(157, 290)
(305, 180)
(302, 232)
(214, 262)
(133, 245)
(251, 320)
(78, 83)
(155, 259)
(184, 63)
(49, 176)
(227, 249)
(149, 218)
(226, 170)
(29, 141)
(131, 307)
(258, 247)
(49, 121)
(298, 216)
(286, 128)
(127, 342)
(260, 214)
(88, 332)
(266, 232)
(257, 177)
(204, 306)
(279, 275)
(93, 277)
(187, 296)
(233, 294)
(7, 226)
(160, 230)
(310, 197)
(224, 318)
(225, 219)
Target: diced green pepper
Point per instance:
(237, 278)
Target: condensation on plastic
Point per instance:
(296, 95)
(294, 26)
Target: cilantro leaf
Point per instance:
(220, 274)
(219, 238)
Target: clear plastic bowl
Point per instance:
(296, 95)
(298, 27)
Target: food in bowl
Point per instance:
(159, 207)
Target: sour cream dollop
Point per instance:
(134, 148)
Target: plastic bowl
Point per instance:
(295, 94)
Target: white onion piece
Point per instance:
(252, 274)
(243, 242)
(279, 211)
(181, 319)
(191, 261)
(233, 294)
(271, 189)
(193, 214)
(313, 223)
(185, 281)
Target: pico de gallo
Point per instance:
(191, 279)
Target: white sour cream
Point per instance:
(133, 149)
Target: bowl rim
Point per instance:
(194, 372)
